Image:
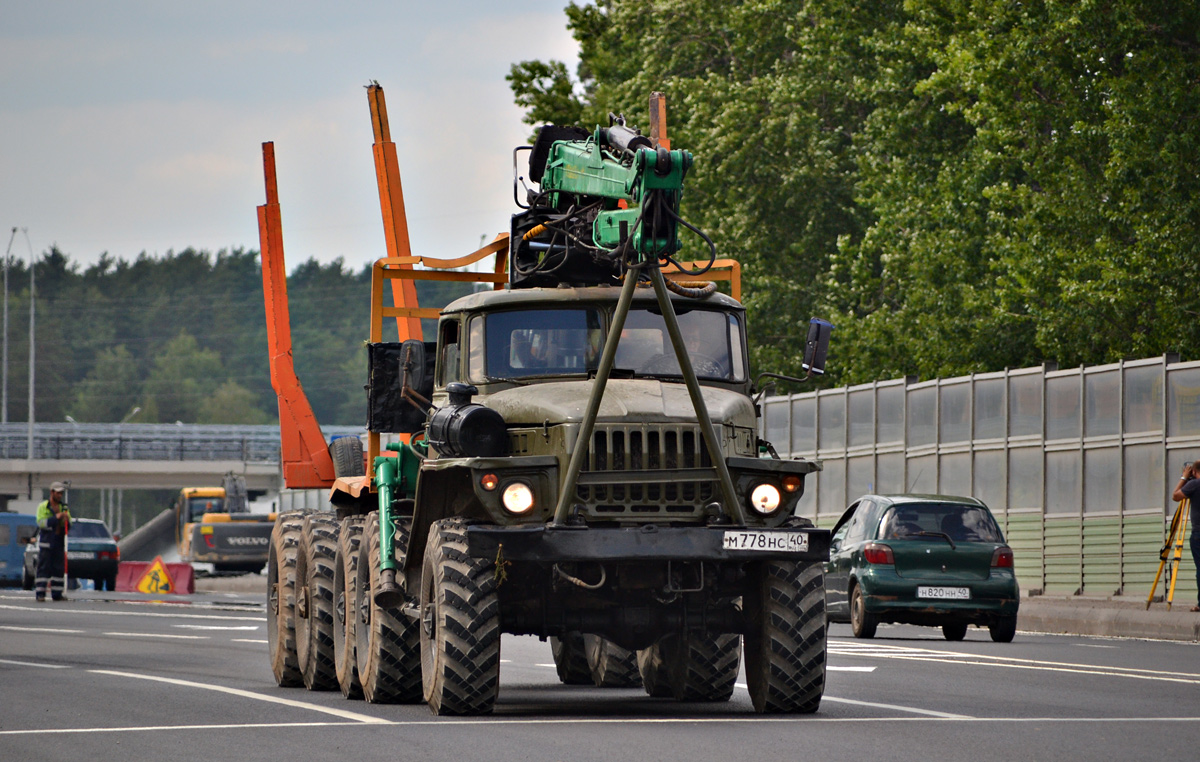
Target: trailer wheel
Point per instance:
(785, 636)
(700, 666)
(570, 659)
(345, 576)
(653, 671)
(460, 624)
(387, 643)
(347, 455)
(314, 601)
(609, 665)
(281, 598)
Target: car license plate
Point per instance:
(80, 555)
(944, 593)
(788, 542)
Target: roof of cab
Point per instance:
(524, 297)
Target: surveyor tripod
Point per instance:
(1171, 554)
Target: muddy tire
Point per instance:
(460, 625)
(570, 659)
(862, 624)
(281, 598)
(347, 455)
(653, 671)
(785, 636)
(345, 577)
(609, 665)
(314, 601)
(701, 667)
(387, 643)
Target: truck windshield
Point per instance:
(553, 342)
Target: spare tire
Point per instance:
(347, 454)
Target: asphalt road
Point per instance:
(94, 678)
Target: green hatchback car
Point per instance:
(929, 560)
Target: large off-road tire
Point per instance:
(653, 671)
(609, 665)
(954, 631)
(460, 624)
(315, 600)
(387, 643)
(785, 636)
(1004, 630)
(700, 666)
(347, 455)
(862, 623)
(281, 598)
(345, 577)
(570, 659)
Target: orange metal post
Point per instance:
(306, 461)
(658, 120)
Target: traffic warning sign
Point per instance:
(156, 579)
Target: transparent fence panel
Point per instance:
(775, 416)
(804, 425)
(954, 474)
(1144, 483)
(862, 417)
(989, 408)
(922, 474)
(989, 480)
(860, 480)
(1143, 399)
(1024, 405)
(1064, 487)
(832, 492)
(889, 473)
(1183, 403)
(1062, 407)
(1102, 410)
(890, 414)
(1102, 480)
(955, 413)
(807, 507)
(922, 416)
(1025, 478)
(832, 420)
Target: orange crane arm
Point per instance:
(306, 460)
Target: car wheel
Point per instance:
(954, 631)
(1004, 630)
(110, 583)
(862, 623)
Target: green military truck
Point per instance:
(575, 457)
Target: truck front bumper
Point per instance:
(648, 543)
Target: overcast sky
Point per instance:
(137, 126)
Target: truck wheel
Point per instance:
(314, 601)
(281, 598)
(785, 636)
(347, 455)
(387, 643)
(345, 575)
(653, 671)
(570, 659)
(862, 624)
(700, 666)
(460, 624)
(609, 665)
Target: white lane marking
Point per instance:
(363, 718)
(156, 635)
(216, 627)
(43, 609)
(833, 668)
(554, 666)
(40, 629)
(247, 640)
(1090, 645)
(34, 664)
(142, 728)
(895, 707)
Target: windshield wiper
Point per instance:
(939, 534)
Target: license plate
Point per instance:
(79, 555)
(788, 542)
(944, 593)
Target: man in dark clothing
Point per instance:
(53, 521)
(1188, 489)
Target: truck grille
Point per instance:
(643, 470)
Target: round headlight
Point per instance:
(517, 497)
(765, 499)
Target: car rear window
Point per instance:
(88, 529)
(961, 523)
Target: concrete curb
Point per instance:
(1108, 617)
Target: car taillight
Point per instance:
(874, 553)
(114, 555)
(1002, 558)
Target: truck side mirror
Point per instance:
(817, 346)
(389, 410)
